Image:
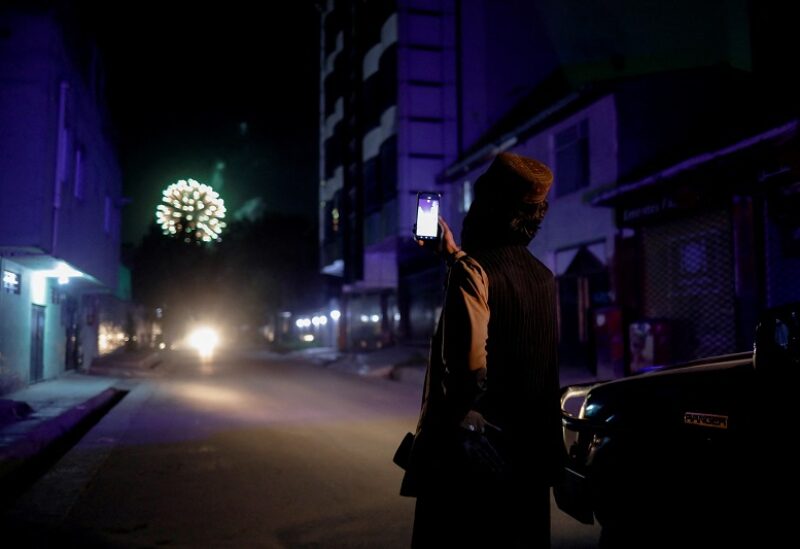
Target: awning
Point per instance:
(609, 197)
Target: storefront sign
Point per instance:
(649, 210)
(11, 282)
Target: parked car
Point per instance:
(693, 453)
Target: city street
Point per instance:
(251, 451)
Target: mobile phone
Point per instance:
(428, 215)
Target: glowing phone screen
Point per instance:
(427, 216)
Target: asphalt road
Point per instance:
(249, 451)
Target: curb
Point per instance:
(22, 455)
(125, 366)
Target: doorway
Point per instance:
(583, 286)
(37, 343)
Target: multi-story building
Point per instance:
(598, 91)
(60, 199)
(604, 93)
(387, 128)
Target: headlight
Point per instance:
(590, 410)
(205, 340)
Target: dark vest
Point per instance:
(522, 363)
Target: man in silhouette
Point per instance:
(488, 442)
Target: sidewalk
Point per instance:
(36, 420)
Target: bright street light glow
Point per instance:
(63, 272)
(335, 314)
(38, 289)
(205, 340)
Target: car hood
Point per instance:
(667, 396)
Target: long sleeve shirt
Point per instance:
(466, 315)
(457, 371)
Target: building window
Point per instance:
(55, 296)
(11, 282)
(466, 196)
(78, 184)
(332, 217)
(572, 158)
(107, 215)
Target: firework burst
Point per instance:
(192, 211)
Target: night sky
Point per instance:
(190, 85)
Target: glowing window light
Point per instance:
(11, 282)
(63, 272)
(308, 338)
(38, 289)
(176, 214)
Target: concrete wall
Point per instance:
(60, 186)
(28, 109)
(570, 220)
(41, 179)
(15, 331)
(54, 334)
(505, 52)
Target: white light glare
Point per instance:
(204, 339)
(336, 314)
(62, 272)
(39, 289)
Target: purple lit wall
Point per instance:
(60, 183)
(27, 132)
(60, 188)
(505, 51)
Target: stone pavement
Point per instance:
(38, 420)
(402, 363)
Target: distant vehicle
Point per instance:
(693, 453)
(205, 340)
